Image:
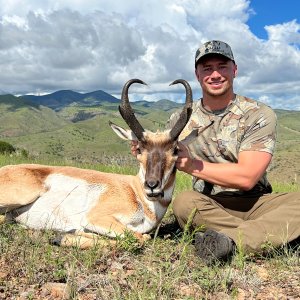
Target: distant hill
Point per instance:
(63, 98)
(21, 117)
(162, 104)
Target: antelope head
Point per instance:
(157, 152)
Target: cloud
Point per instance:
(273, 73)
(51, 45)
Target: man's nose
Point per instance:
(215, 74)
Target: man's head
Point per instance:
(211, 48)
(215, 69)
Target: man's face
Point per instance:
(215, 75)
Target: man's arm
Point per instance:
(242, 175)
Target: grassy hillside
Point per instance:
(286, 162)
(18, 117)
(82, 133)
(91, 140)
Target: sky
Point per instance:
(88, 45)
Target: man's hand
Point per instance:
(185, 162)
(134, 147)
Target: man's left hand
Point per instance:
(184, 161)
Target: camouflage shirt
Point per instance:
(245, 125)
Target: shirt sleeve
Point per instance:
(260, 130)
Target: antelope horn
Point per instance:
(186, 112)
(126, 111)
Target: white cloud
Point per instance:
(284, 33)
(99, 44)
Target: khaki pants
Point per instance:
(250, 221)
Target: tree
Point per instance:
(6, 148)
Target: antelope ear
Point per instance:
(124, 134)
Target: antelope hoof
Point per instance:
(146, 237)
(2, 219)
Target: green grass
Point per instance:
(166, 267)
(279, 187)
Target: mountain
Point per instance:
(76, 107)
(101, 96)
(64, 99)
(60, 99)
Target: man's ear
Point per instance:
(235, 70)
(197, 73)
(124, 134)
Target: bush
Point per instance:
(24, 153)
(6, 148)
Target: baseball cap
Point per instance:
(214, 47)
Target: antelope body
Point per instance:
(84, 203)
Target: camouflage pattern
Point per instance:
(245, 125)
(216, 47)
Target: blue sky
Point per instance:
(87, 45)
(271, 12)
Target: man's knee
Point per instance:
(188, 205)
(180, 204)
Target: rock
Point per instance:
(56, 290)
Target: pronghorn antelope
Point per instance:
(84, 203)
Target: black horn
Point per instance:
(186, 112)
(126, 111)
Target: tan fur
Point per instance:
(20, 186)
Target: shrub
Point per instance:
(6, 148)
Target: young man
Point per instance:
(228, 161)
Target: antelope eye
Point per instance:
(138, 151)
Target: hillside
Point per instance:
(81, 132)
(286, 162)
(76, 131)
(18, 117)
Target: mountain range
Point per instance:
(63, 122)
(68, 98)
(60, 99)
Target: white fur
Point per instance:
(63, 207)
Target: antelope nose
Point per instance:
(152, 184)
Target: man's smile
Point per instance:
(216, 83)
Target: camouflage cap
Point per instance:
(214, 47)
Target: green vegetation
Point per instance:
(164, 268)
(6, 148)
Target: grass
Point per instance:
(166, 267)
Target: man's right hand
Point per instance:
(134, 147)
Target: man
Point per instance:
(228, 161)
